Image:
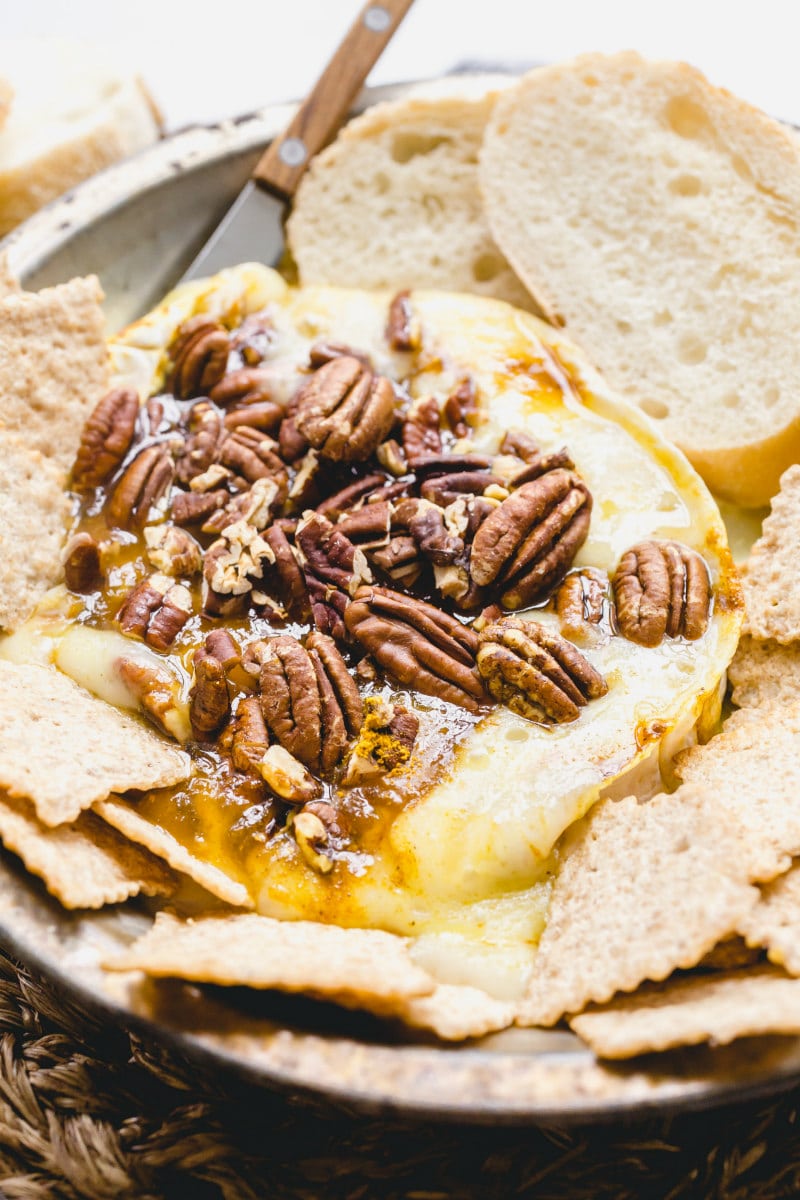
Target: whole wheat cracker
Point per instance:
(687, 1010)
(764, 673)
(454, 1012)
(352, 965)
(53, 365)
(643, 889)
(394, 202)
(756, 779)
(657, 216)
(771, 575)
(84, 864)
(34, 511)
(160, 842)
(64, 749)
(774, 923)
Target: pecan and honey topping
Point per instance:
(662, 589)
(296, 559)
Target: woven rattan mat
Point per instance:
(87, 1111)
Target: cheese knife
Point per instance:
(252, 228)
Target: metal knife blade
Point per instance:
(250, 231)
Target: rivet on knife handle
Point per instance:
(282, 164)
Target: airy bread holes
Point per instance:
(408, 145)
(686, 118)
(686, 185)
(691, 349)
(656, 409)
(487, 266)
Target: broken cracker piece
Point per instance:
(34, 510)
(764, 673)
(771, 575)
(127, 821)
(454, 1012)
(54, 365)
(84, 864)
(753, 768)
(644, 889)
(64, 749)
(774, 923)
(691, 1009)
(353, 965)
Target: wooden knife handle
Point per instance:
(282, 164)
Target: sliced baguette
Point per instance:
(394, 202)
(658, 218)
(72, 115)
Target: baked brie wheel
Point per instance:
(408, 584)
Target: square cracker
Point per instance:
(644, 889)
(124, 818)
(64, 749)
(691, 1009)
(771, 575)
(292, 956)
(53, 365)
(753, 767)
(34, 511)
(84, 864)
(774, 923)
(764, 673)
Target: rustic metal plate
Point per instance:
(137, 226)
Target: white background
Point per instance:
(218, 58)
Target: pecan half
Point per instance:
(248, 385)
(402, 328)
(582, 604)
(422, 435)
(461, 408)
(157, 610)
(287, 776)
(445, 489)
(291, 584)
(527, 545)
(662, 589)
(143, 483)
(253, 455)
(324, 352)
(333, 569)
(199, 356)
(348, 497)
(309, 700)
(209, 698)
(82, 571)
(418, 645)
(202, 445)
(192, 508)
(106, 439)
(158, 694)
(538, 674)
(345, 410)
(250, 738)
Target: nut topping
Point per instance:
(192, 508)
(82, 571)
(422, 436)
(402, 329)
(106, 439)
(312, 838)
(461, 408)
(345, 411)
(287, 777)
(417, 644)
(142, 485)
(158, 695)
(173, 551)
(235, 562)
(250, 737)
(209, 698)
(199, 356)
(202, 445)
(581, 604)
(527, 545)
(253, 455)
(662, 589)
(538, 674)
(157, 610)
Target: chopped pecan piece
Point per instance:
(250, 738)
(581, 604)
(254, 506)
(417, 644)
(385, 743)
(209, 698)
(287, 777)
(253, 455)
(422, 435)
(391, 456)
(264, 415)
(199, 356)
(157, 610)
(325, 352)
(348, 497)
(173, 551)
(368, 526)
(345, 411)
(221, 644)
(252, 341)
(309, 700)
(400, 559)
(192, 508)
(106, 439)
(427, 525)
(333, 569)
(540, 465)
(662, 589)
(519, 444)
(142, 485)
(236, 562)
(291, 582)
(202, 445)
(446, 489)
(527, 545)
(461, 408)
(538, 674)
(82, 571)
(292, 444)
(313, 839)
(402, 328)
(248, 385)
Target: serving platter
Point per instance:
(137, 225)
